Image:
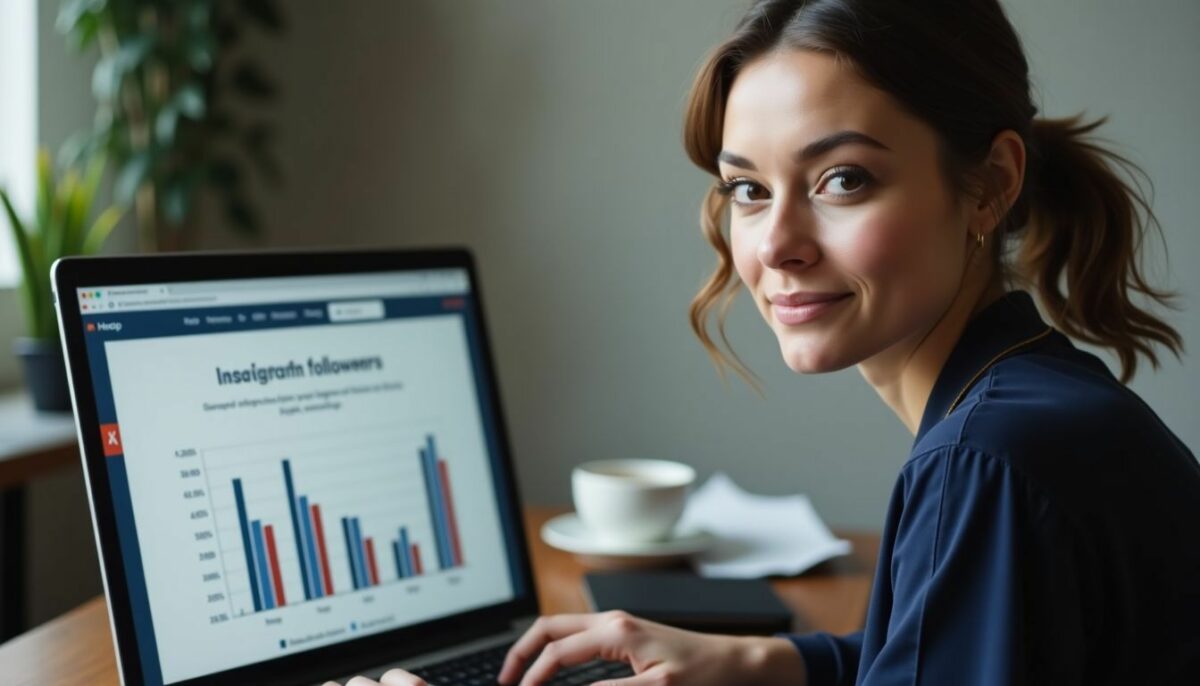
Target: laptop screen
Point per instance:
(296, 462)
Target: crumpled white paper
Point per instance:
(757, 535)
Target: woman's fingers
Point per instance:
(394, 677)
(565, 652)
(399, 677)
(544, 630)
(650, 677)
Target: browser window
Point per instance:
(297, 461)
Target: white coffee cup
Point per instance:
(631, 501)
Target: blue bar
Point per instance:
(406, 553)
(350, 551)
(264, 570)
(314, 569)
(446, 559)
(399, 560)
(241, 508)
(305, 572)
(364, 578)
(433, 490)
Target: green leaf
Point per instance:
(198, 16)
(106, 79)
(201, 51)
(177, 196)
(84, 32)
(73, 13)
(165, 124)
(135, 50)
(30, 291)
(81, 206)
(75, 148)
(45, 188)
(135, 171)
(100, 230)
(55, 234)
(112, 69)
(19, 232)
(189, 99)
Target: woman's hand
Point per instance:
(393, 677)
(659, 654)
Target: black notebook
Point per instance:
(688, 601)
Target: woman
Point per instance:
(885, 177)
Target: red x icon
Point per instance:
(110, 436)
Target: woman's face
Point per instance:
(843, 227)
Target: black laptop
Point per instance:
(297, 465)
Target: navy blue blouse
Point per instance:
(1044, 530)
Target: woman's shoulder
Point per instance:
(1064, 425)
(1061, 401)
(1055, 398)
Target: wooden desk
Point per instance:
(77, 648)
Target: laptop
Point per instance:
(297, 466)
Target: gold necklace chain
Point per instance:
(1007, 351)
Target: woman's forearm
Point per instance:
(772, 661)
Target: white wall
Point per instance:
(545, 135)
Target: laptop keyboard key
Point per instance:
(479, 669)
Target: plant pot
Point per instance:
(45, 373)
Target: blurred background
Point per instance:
(544, 135)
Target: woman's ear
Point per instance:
(1004, 173)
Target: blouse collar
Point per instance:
(1007, 326)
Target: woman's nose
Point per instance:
(789, 240)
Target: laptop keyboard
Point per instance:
(481, 669)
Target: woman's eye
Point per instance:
(845, 181)
(748, 192)
(744, 191)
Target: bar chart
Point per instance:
(336, 518)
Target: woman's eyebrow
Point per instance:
(812, 150)
(834, 140)
(736, 160)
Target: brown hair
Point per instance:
(1077, 219)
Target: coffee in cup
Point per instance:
(631, 501)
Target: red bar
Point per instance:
(442, 471)
(416, 559)
(273, 560)
(371, 568)
(320, 532)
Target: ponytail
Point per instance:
(1084, 230)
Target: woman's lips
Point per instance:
(799, 308)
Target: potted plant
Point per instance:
(61, 225)
(181, 107)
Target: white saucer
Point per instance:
(567, 532)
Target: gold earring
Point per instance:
(979, 239)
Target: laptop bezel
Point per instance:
(70, 274)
